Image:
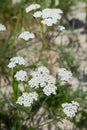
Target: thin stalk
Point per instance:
(15, 88)
(44, 31)
(15, 30)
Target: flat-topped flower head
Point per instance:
(26, 35)
(37, 14)
(42, 70)
(49, 16)
(11, 65)
(64, 74)
(49, 21)
(75, 103)
(51, 13)
(60, 28)
(32, 7)
(16, 61)
(21, 75)
(70, 109)
(27, 99)
(42, 79)
(2, 27)
(50, 89)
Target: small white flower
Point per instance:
(34, 82)
(37, 14)
(35, 96)
(48, 90)
(27, 99)
(16, 61)
(26, 35)
(42, 79)
(75, 103)
(43, 70)
(61, 28)
(70, 109)
(64, 74)
(49, 21)
(51, 13)
(2, 27)
(11, 65)
(32, 7)
(49, 16)
(21, 75)
(49, 80)
(40, 72)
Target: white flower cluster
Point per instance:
(60, 28)
(70, 109)
(16, 61)
(41, 78)
(32, 7)
(2, 27)
(26, 35)
(64, 74)
(21, 75)
(37, 14)
(49, 16)
(27, 99)
(49, 21)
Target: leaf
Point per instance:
(15, 89)
(56, 2)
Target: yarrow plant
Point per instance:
(26, 35)
(32, 7)
(60, 28)
(64, 74)
(27, 99)
(16, 61)
(49, 16)
(21, 75)
(70, 109)
(42, 82)
(2, 27)
(41, 78)
(41, 88)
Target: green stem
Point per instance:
(15, 89)
(44, 31)
(15, 30)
